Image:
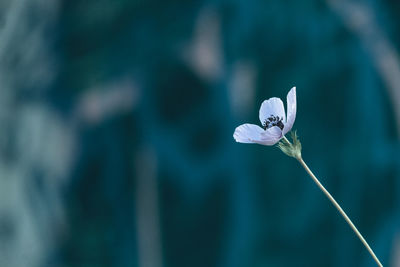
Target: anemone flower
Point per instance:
(274, 122)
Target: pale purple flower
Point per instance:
(273, 119)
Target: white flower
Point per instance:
(273, 119)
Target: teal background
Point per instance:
(116, 146)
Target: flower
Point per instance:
(273, 119)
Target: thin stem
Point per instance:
(286, 140)
(337, 206)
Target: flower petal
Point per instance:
(291, 110)
(271, 136)
(248, 133)
(254, 134)
(272, 106)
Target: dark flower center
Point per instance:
(273, 121)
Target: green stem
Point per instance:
(337, 206)
(286, 140)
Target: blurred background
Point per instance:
(117, 117)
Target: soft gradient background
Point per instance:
(116, 123)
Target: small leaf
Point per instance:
(291, 149)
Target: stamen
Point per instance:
(273, 121)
